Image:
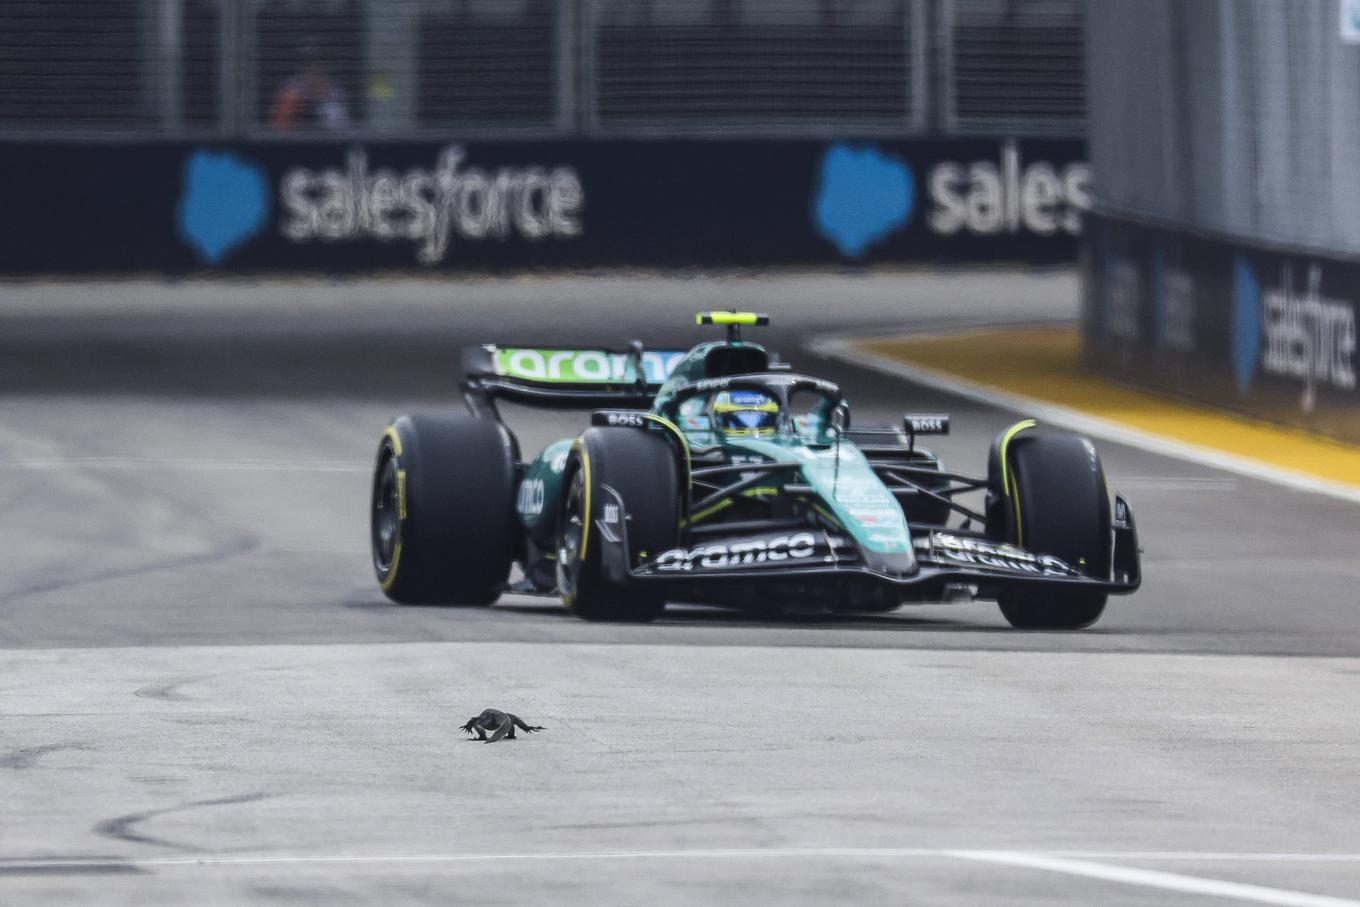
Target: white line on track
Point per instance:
(48, 464)
(736, 853)
(1151, 878)
(1076, 863)
(843, 349)
(1203, 856)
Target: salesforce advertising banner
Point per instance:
(1269, 333)
(179, 208)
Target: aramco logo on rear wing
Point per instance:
(583, 366)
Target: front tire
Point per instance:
(1050, 498)
(443, 525)
(641, 468)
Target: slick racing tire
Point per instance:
(1050, 498)
(443, 525)
(641, 468)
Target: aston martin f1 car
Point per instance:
(720, 476)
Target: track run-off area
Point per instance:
(208, 700)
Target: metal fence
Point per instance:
(1235, 116)
(399, 68)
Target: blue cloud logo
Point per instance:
(1246, 323)
(224, 201)
(864, 195)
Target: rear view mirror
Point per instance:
(840, 416)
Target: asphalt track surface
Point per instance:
(207, 700)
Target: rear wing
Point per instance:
(565, 378)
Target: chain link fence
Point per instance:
(701, 65)
(1013, 64)
(406, 68)
(1235, 116)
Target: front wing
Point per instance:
(813, 556)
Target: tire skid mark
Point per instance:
(69, 864)
(236, 547)
(28, 756)
(121, 828)
(110, 867)
(142, 490)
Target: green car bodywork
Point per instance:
(842, 517)
(835, 473)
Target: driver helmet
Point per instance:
(745, 412)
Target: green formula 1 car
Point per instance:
(719, 476)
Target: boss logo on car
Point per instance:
(928, 425)
(619, 418)
(739, 553)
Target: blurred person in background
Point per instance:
(310, 99)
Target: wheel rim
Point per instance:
(386, 525)
(569, 539)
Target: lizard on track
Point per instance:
(500, 724)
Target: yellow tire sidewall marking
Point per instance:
(1008, 482)
(391, 435)
(395, 440)
(585, 485)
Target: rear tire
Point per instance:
(1056, 504)
(443, 526)
(641, 468)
